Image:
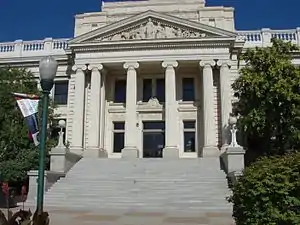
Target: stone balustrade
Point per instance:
(49, 46)
(262, 38)
(44, 47)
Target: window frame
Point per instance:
(190, 130)
(118, 131)
(114, 91)
(66, 95)
(183, 90)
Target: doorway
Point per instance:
(153, 139)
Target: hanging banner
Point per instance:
(28, 105)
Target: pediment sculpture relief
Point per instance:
(154, 30)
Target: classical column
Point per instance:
(171, 122)
(226, 105)
(78, 109)
(209, 125)
(94, 110)
(130, 150)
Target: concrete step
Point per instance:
(196, 185)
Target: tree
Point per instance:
(18, 154)
(268, 103)
(268, 192)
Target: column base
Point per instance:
(130, 153)
(76, 150)
(212, 151)
(171, 153)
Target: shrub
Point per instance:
(269, 192)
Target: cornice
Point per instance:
(154, 44)
(31, 61)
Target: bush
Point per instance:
(269, 192)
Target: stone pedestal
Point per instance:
(130, 153)
(49, 179)
(233, 159)
(171, 153)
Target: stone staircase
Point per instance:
(152, 185)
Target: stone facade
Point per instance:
(146, 78)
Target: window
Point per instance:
(189, 133)
(160, 90)
(147, 89)
(120, 91)
(61, 92)
(154, 88)
(188, 89)
(119, 131)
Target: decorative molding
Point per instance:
(131, 65)
(204, 63)
(224, 63)
(143, 18)
(152, 29)
(166, 64)
(79, 67)
(95, 67)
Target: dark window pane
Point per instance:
(119, 125)
(189, 142)
(188, 89)
(159, 125)
(118, 142)
(189, 124)
(61, 92)
(147, 90)
(120, 91)
(160, 90)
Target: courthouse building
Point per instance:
(146, 78)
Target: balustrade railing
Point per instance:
(44, 47)
(49, 46)
(262, 38)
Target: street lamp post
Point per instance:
(47, 68)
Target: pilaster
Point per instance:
(171, 117)
(210, 137)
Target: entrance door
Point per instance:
(153, 139)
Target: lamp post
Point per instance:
(47, 68)
(233, 129)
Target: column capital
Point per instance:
(97, 66)
(166, 64)
(210, 63)
(79, 67)
(131, 65)
(222, 62)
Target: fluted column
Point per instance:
(94, 110)
(78, 109)
(226, 105)
(130, 150)
(171, 122)
(210, 137)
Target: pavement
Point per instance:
(59, 216)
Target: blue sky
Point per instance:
(37, 19)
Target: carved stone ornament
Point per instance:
(153, 30)
(153, 103)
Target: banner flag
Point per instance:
(28, 104)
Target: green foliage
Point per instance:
(268, 90)
(17, 154)
(269, 192)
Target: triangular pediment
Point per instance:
(151, 25)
